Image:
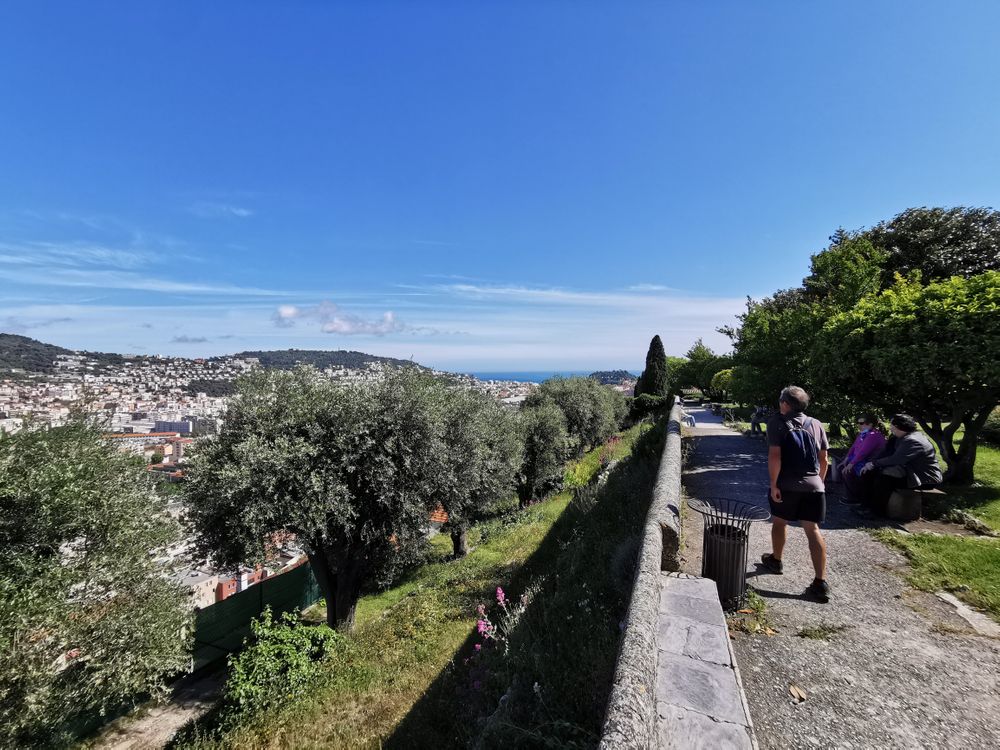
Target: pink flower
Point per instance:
(478, 647)
(500, 596)
(482, 627)
(481, 610)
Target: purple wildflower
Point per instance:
(500, 595)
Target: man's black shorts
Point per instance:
(799, 506)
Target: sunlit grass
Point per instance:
(968, 566)
(407, 635)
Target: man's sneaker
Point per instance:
(772, 563)
(819, 590)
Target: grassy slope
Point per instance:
(410, 638)
(969, 566)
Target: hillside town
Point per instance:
(152, 407)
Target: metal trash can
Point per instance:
(725, 544)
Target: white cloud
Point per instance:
(213, 210)
(334, 320)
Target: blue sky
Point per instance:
(491, 185)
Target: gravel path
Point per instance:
(904, 672)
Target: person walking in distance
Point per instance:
(797, 465)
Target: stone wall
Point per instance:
(632, 706)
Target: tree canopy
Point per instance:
(350, 470)
(593, 412)
(480, 456)
(89, 618)
(930, 351)
(927, 273)
(654, 380)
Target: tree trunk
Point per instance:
(348, 591)
(460, 541)
(340, 584)
(960, 461)
(524, 492)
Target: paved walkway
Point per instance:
(903, 672)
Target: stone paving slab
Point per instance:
(682, 729)
(699, 697)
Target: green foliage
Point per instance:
(698, 369)
(722, 382)
(991, 430)
(781, 339)
(542, 430)
(351, 470)
(939, 243)
(479, 457)
(593, 412)
(654, 379)
(213, 388)
(645, 405)
(611, 377)
(398, 680)
(280, 662)
(23, 353)
(289, 359)
(570, 624)
(88, 619)
(926, 350)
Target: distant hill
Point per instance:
(23, 353)
(612, 377)
(286, 359)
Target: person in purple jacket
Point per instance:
(867, 446)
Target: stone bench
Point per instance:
(907, 505)
(700, 701)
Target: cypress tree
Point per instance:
(654, 378)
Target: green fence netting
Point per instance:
(219, 630)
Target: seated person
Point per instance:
(908, 463)
(759, 415)
(868, 445)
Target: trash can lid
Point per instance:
(723, 508)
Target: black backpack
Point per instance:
(799, 452)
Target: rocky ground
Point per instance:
(881, 665)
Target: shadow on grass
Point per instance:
(550, 685)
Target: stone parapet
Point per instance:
(631, 717)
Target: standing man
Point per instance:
(797, 464)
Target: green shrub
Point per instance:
(991, 430)
(281, 662)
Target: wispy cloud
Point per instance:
(215, 210)
(14, 324)
(84, 265)
(332, 319)
(184, 339)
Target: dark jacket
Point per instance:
(915, 454)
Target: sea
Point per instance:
(539, 376)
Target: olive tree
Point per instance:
(542, 431)
(89, 617)
(350, 470)
(592, 411)
(479, 458)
